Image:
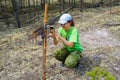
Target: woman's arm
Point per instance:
(67, 43)
(56, 36)
(55, 40)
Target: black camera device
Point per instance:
(52, 29)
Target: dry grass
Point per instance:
(23, 61)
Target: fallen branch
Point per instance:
(51, 21)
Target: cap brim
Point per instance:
(62, 22)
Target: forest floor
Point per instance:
(22, 59)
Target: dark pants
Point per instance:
(70, 59)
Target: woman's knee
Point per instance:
(71, 62)
(61, 54)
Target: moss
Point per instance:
(115, 30)
(97, 74)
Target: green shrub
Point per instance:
(97, 74)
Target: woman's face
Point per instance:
(66, 26)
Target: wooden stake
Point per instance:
(45, 41)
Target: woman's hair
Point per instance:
(72, 22)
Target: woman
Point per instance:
(70, 54)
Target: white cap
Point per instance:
(65, 18)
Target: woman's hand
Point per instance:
(55, 40)
(67, 43)
(55, 34)
(52, 35)
(58, 35)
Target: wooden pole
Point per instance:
(45, 41)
